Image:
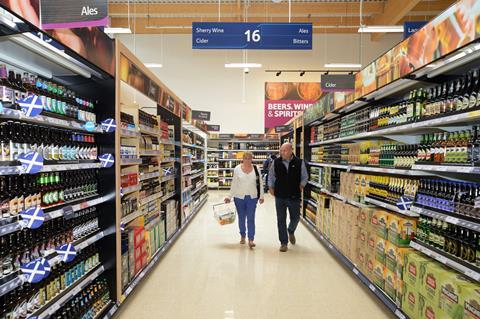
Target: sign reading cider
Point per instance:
(67, 14)
(338, 83)
(286, 100)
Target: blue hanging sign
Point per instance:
(109, 125)
(107, 160)
(32, 162)
(33, 217)
(66, 252)
(33, 271)
(31, 105)
(410, 27)
(257, 36)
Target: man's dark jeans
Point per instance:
(293, 206)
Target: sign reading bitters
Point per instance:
(286, 100)
(260, 36)
(65, 14)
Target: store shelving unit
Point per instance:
(194, 172)
(55, 65)
(149, 214)
(331, 135)
(225, 151)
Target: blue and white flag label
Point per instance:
(89, 126)
(33, 217)
(33, 271)
(66, 252)
(46, 266)
(32, 162)
(404, 203)
(107, 160)
(109, 125)
(31, 105)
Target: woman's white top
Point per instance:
(244, 184)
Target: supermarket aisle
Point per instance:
(208, 275)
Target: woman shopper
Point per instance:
(246, 190)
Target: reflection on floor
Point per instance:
(208, 275)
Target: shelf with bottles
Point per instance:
(61, 106)
(91, 304)
(459, 242)
(250, 145)
(394, 171)
(27, 245)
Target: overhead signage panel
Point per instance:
(256, 36)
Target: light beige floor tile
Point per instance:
(208, 275)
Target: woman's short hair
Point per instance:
(247, 155)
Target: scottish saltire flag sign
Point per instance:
(31, 105)
(107, 160)
(404, 203)
(66, 252)
(33, 271)
(31, 162)
(33, 217)
(109, 125)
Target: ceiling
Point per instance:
(327, 16)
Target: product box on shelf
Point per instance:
(451, 290)
(380, 249)
(433, 275)
(412, 271)
(428, 309)
(401, 229)
(469, 299)
(391, 284)
(395, 257)
(369, 266)
(380, 221)
(411, 302)
(371, 243)
(364, 218)
(379, 274)
(361, 260)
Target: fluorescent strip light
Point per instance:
(49, 52)
(153, 65)
(381, 29)
(117, 30)
(343, 65)
(34, 69)
(242, 65)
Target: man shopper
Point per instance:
(266, 168)
(286, 180)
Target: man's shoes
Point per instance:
(292, 239)
(284, 248)
(251, 244)
(242, 240)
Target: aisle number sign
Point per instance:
(259, 36)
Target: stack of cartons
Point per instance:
(363, 253)
(169, 208)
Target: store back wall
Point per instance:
(201, 80)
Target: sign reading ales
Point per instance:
(260, 36)
(68, 14)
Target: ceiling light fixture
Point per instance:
(154, 65)
(117, 30)
(343, 65)
(381, 29)
(242, 65)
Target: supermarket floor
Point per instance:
(208, 275)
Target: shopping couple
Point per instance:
(286, 179)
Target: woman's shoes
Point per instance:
(242, 240)
(251, 244)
